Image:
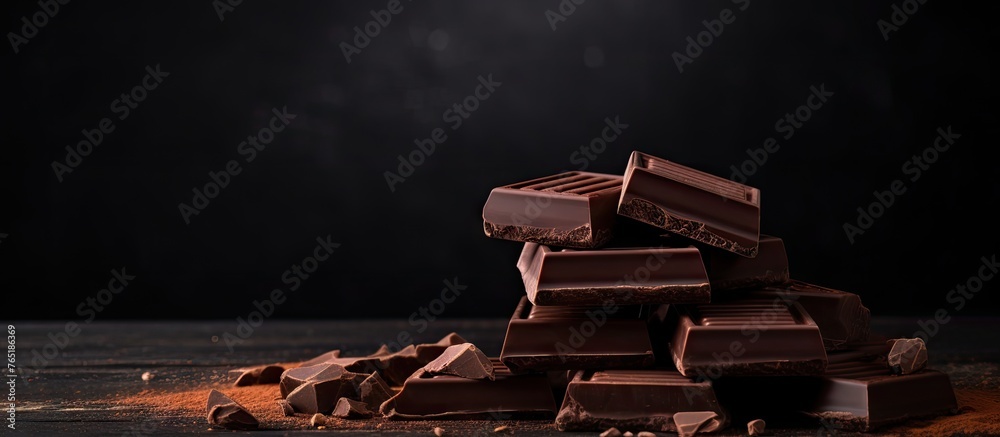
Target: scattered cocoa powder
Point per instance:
(979, 414)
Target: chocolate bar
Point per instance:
(692, 204)
(575, 209)
(728, 271)
(426, 396)
(541, 338)
(624, 276)
(746, 336)
(647, 399)
(841, 317)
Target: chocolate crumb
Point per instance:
(755, 427)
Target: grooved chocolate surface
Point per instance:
(635, 399)
(746, 336)
(626, 276)
(691, 203)
(574, 209)
(841, 317)
(541, 338)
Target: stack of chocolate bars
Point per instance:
(653, 303)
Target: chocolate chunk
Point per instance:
(746, 336)
(462, 360)
(693, 204)
(351, 409)
(317, 420)
(293, 378)
(907, 355)
(320, 359)
(645, 434)
(626, 276)
(426, 396)
(542, 338)
(728, 271)
(611, 432)
(286, 408)
(320, 394)
(842, 319)
(755, 427)
(429, 351)
(269, 374)
(575, 209)
(690, 423)
(374, 391)
(637, 399)
(223, 412)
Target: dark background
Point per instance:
(324, 175)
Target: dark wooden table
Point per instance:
(76, 392)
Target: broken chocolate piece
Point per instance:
(755, 427)
(351, 409)
(286, 408)
(322, 358)
(691, 203)
(374, 391)
(427, 352)
(269, 374)
(625, 276)
(574, 209)
(223, 412)
(462, 360)
(841, 317)
(908, 355)
(690, 423)
(611, 432)
(426, 396)
(317, 420)
(637, 399)
(320, 395)
(293, 378)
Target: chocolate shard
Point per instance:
(351, 409)
(611, 432)
(320, 396)
(574, 209)
(544, 338)
(374, 391)
(322, 358)
(293, 378)
(268, 374)
(223, 412)
(626, 276)
(462, 360)
(744, 335)
(728, 271)
(907, 355)
(841, 317)
(649, 399)
(394, 367)
(755, 427)
(645, 434)
(690, 203)
(286, 408)
(429, 351)
(427, 396)
(690, 423)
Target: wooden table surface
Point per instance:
(74, 393)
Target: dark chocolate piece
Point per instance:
(747, 336)
(841, 317)
(907, 355)
(321, 395)
(863, 396)
(394, 367)
(427, 352)
(637, 399)
(569, 338)
(286, 408)
(462, 360)
(689, 423)
(728, 271)
(351, 409)
(755, 427)
(293, 378)
(426, 396)
(269, 374)
(624, 276)
(575, 209)
(374, 391)
(320, 359)
(223, 412)
(692, 204)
